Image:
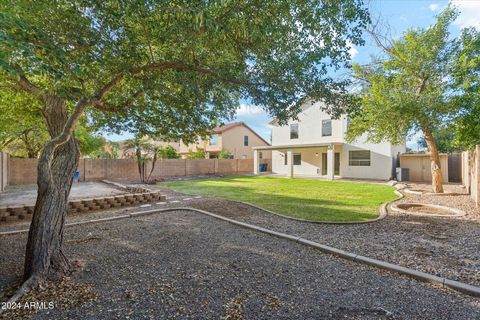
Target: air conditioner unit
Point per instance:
(403, 174)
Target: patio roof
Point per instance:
(297, 146)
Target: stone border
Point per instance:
(428, 193)
(15, 213)
(419, 275)
(455, 212)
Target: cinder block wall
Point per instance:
(4, 159)
(471, 173)
(24, 171)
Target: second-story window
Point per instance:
(294, 131)
(214, 140)
(245, 141)
(326, 128)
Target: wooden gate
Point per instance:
(455, 167)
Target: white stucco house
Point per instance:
(315, 145)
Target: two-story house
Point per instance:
(315, 145)
(237, 138)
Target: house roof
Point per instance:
(231, 125)
(296, 146)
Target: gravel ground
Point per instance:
(447, 247)
(187, 265)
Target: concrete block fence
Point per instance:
(24, 171)
(3, 171)
(471, 173)
(15, 213)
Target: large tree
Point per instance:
(185, 64)
(406, 89)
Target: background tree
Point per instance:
(224, 154)
(168, 152)
(406, 89)
(444, 136)
(22, 130)
(90, 143)
(183, 64)
(199, 153)
(466, 88)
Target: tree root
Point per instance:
(30, 284)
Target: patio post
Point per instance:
(290, 163)
(330, 162)
(255, 162)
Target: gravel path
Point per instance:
(187, 265)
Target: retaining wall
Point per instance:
(24, 171)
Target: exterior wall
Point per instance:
(381, 162)
(4, 159)
(24, 171)
(232, 140)
(383, 156)
(310, 129)
(419, 166)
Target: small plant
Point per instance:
(225, 154)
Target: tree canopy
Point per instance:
(466, 86)
(179, 60)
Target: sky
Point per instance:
(399, 15)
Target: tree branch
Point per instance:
(102, 106)
(176, 65)
(26, 85)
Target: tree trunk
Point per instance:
(437, 181)
(57, 163)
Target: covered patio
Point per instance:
(303, 160)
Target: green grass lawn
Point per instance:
(315, 200)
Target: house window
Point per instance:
(359, 158)
(297, 159)
(326, 128)
(214, 140)
(244, 156)
(294, 131)
(245, 141)
(260, 155)
(285, 159)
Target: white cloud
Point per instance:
(433, 6)
(469, 13)
(353, 52)
(246, 109)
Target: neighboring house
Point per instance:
(315, 145)
(237, 138)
